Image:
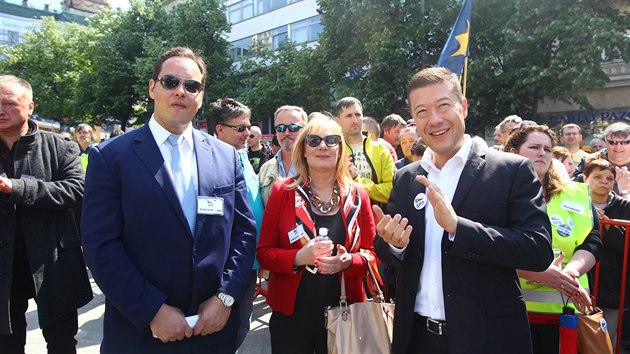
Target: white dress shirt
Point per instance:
(160, 134)
(430, 298)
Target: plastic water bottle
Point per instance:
(323, 234)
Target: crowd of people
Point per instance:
(481, 248)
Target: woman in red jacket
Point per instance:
(305, 265)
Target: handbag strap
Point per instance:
(377, 293)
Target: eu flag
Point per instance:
(456, 49)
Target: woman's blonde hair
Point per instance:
(317, 125)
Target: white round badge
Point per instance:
(420, 201)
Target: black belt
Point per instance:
(434, 326)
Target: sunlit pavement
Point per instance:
(91, 328)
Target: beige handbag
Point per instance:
(593, 335)
(364, 327)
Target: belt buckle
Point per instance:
(436, 327)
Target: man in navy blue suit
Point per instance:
(168, 231)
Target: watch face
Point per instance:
(227, 300)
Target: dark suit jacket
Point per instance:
(502, 226)
(140, 250)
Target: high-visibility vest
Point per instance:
(571, 219)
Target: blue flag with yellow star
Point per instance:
(456, 48)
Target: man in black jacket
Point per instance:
(41, 181)
(460, 223)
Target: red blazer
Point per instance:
(276, 254)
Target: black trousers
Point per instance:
(545, 338)
(59, 334)
(298, 334)
(423, 341)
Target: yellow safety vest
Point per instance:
(571, 219)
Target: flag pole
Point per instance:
(465, 75)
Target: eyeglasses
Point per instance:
(329, 140)
(239, 128)
(293, 128)
(618, 142)
(171, 82)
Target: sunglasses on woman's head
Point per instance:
(329, 140)
(293, 128)
(171, 82)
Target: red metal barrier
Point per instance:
(624, 275)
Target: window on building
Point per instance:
(240, 11)
(272, 38)
(270, 5)
(307, 30)
(239, 50)
(304, 31)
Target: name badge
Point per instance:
(296, 233)
(572, 207)
(210, 206)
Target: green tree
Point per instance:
(285, 76)
(524, 51)
(113, 91)
(52, 58)
(202, 25)
(372, 47)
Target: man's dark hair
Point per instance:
(180, 52)
(418, 148)
(431, 76)
(392, 121)
(225, 109)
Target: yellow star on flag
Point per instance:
(463, 41)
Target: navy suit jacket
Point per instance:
(502, 226)
(139, 247)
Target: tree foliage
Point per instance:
(526, 50)
(52, 58)
(281, 77)
(372, 46)
(115, 94)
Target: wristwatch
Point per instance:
(225, 298)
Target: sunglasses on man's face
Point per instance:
(329, 140)
(171, 82)
(618, 142)
(293, 128)
(239, 128)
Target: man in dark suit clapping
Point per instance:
(458, 225)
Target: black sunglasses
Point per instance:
(171, 82)
(365, 133)
(252, 136)
(293, 128)
(239, 128)
(315, 140)
(615, 142)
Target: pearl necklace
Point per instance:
(321, 206)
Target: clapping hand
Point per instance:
(394, 231)
(442, 208)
